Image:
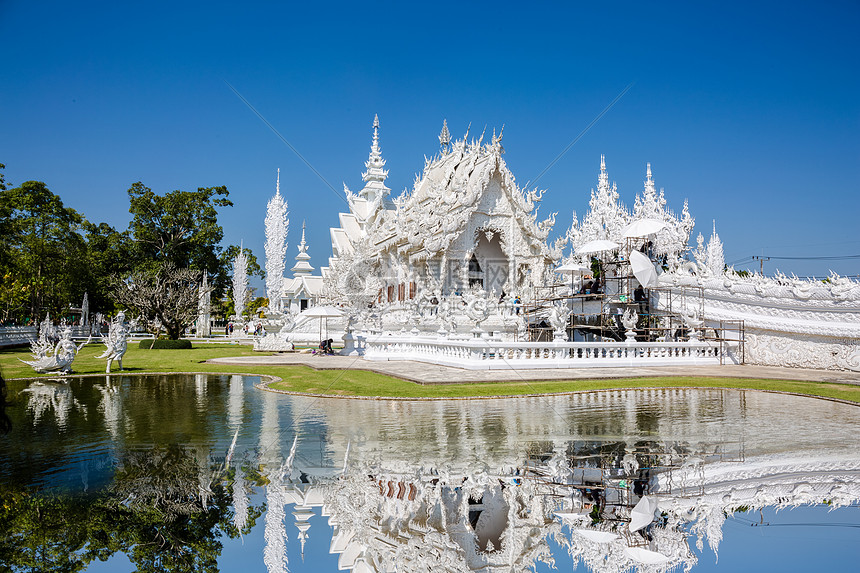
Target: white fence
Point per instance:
(483, 354)
(18, 335)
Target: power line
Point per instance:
(283, 139)
(582, 133)
(818, 258)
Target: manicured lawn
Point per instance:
(364, 383)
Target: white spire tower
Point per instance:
(374, 178)
(277, 226)
(302, 266)
(240, 282)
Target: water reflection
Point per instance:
(168, 469)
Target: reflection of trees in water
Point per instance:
(154, 510)
(5, 422)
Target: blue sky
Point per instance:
(752, 113)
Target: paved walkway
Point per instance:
(424, 373)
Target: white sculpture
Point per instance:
(48, 337)
(628, 321)
(240, 283)
(116, 341)
(277, 227)
(61, 357)
(558, 319)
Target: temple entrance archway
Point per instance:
(492, 263)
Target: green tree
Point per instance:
(180, 227)
(109, 253)
(43, 252)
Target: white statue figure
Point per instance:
(691, 321)
(62, 356)
(558, 317)
(116, 341)
(628, 321)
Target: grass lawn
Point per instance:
(364, 383)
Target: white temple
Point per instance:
(457, 270)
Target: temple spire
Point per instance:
(603, 178)
(302, 266)
(278, 183)
(375, 175)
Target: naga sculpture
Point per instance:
(60, 358)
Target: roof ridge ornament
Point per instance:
(497, 140)
(445, 138)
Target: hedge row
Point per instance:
(163, 344)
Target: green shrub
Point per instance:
(164, 344)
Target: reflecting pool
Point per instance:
(208, 472)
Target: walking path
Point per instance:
(423, 373)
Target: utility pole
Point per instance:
(761, 263)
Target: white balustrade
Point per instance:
(20, 335)
(14, 335)
(491, 355)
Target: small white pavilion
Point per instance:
(303, 290)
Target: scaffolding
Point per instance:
(596, 311)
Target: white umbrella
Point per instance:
(645, 556)
(597, 536)
(643, 228)
(321, 312)
(643, 514)
(643, 269)
(573, 269)
(596, 246)
(568, 515)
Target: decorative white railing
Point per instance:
(17, 335)
(481, 354)
(14, 335)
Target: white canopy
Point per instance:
(321, 312)
(645, 556)
(643, 228)
(597, 536)
(597, 246)
(573, 269)
(643, 269)
(643, 514)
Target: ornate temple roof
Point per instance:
(454, 185)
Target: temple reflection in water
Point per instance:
(619, 480)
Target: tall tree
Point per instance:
(180, 227)
(110, 252)
(43, 253)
